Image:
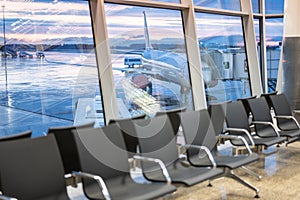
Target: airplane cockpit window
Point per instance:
(148, 59)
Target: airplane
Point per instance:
(161, 65)
(170, 67)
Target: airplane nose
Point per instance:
(140, 80)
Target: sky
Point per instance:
(41, 21)
(36, 20)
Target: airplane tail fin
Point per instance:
(146, 33)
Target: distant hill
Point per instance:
(87, 44)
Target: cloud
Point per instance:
(37, 20)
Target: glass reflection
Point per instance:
(220, 4)
(168, 1)
(274, 32)
(257, 28)
(224, 63)
(49, 56)
(255, 6)
(274, 6)
(148, 59)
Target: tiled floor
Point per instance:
(281, 180)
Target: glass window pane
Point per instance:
(224, 63)
(48, 66)
(257, 32)
(274, 32)
(255, 6)
(148, 58)
(258, 44)
(274, 6)
(169, 1)
(220, 4)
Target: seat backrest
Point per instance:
(101, 152)
(261, 112)
(67, 146)
(32, 169)
(21, 135)
(236, 117)
(268, 98)
(198, 130)
(217, 116)
(246, 104)
(260, 109)
(281, 106)
(141, 116)
(129, 133)
(173, 116)
(156, 139)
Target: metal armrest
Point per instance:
(288, 117)
(244, 131)
(159, 162)
(98, 179)
(267, 124)
(283, 116)
(207, 151)
(237, 137)
(296, 111)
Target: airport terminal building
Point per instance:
(147, 69)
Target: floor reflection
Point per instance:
(280, 171)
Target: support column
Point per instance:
(108, 93)
(193, 53)
(291, 52)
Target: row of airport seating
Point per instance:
(285, 128)
(102, 159)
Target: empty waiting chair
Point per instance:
(283, 113)
(217, 116)
(17, 136)
(128, 132)
(246, 104)
(268, 97)
(198, 130)
(32, 169)
(67, 146)
(158, 141)
(263, 121)
(172, 114)
(237, 124)
(247, 108)
(103, 155)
